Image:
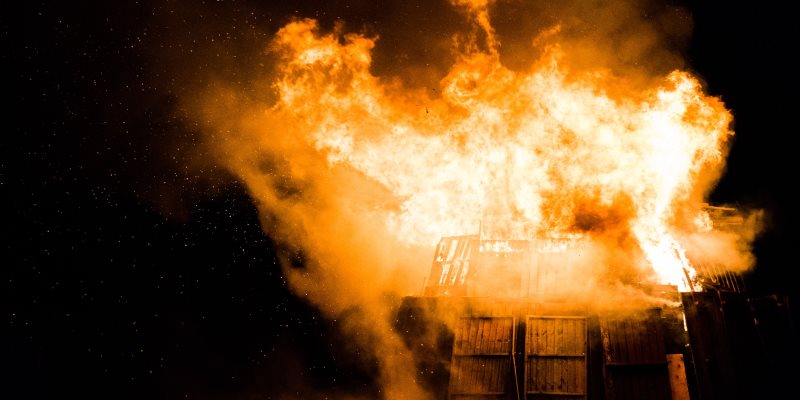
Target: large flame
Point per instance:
(522, 154)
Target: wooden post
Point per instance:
(677, 377)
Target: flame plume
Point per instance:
(528, 154)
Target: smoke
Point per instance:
(336, 253)
(635, 41)
(561, 118)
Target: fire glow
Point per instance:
(524, 154)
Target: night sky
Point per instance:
(136, 268)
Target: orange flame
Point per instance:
(524, 154)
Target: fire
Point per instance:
(589, 180)
(536, 153)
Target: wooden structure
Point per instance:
(503, 326)
(483, 358)
(517, 337)
(635, 358)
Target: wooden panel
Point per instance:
(556, 376)
(489, 335)
(554, 261)
(744, 347)
(476, 375)
(482, 358)
(633, 341)
(452, 264)
(555, 357)
(635, 363)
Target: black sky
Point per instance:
(136, 269)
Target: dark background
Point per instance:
(135, 271)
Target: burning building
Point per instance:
(514, 332)
(591, 267)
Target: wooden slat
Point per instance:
(634, 358)
(633, 341)
(555, 357)
(481, 363)
(452, 261)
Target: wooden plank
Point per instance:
(485, 365)
(555, 365)
(677, 377)
(472, 325)
(481, 358)
(634, 358)
(478, 344)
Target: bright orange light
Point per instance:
(523, 154)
